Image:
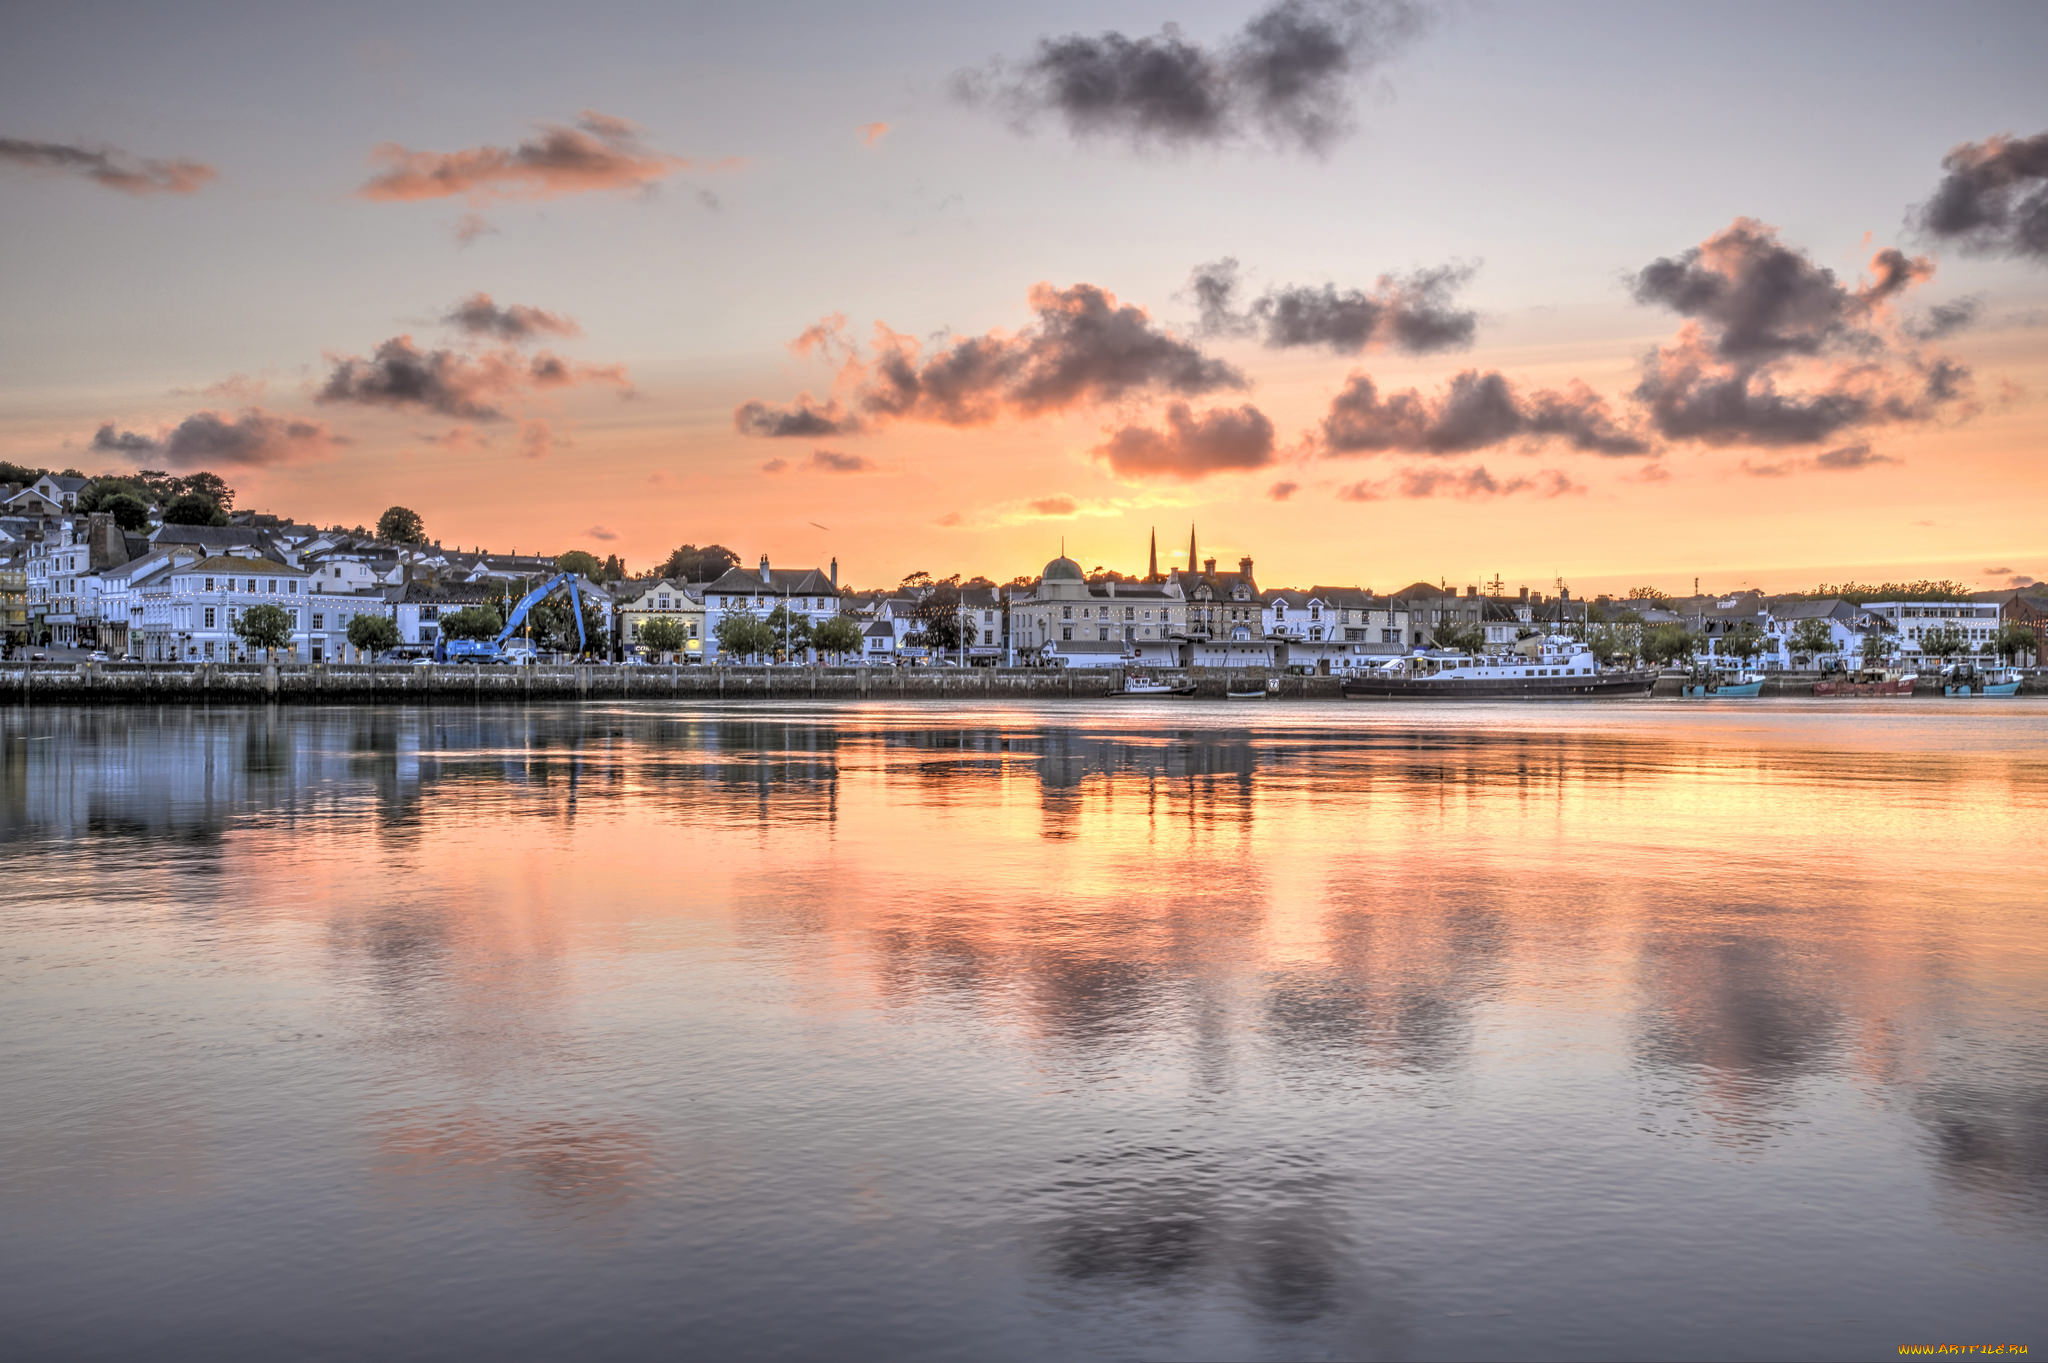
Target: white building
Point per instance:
(208, 595)
(806, 591)
(1914, 620)
(663, 599)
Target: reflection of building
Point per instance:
(13, 595)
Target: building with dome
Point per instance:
(1067, 621)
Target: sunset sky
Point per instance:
(1757, 294)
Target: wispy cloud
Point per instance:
(599, 152)
(108, 166)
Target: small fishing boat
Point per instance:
(1867, 683)
(1244, 690)
(1965, 679)
(1704, 683)
(1146, 686)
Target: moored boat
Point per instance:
(1144, 685)
(1706, 684)
(1965, 679)
(1554, 669)
(1870, 682)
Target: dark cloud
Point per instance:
(1281, 491)
(1761, 300)
(833, 461)
(1994, 199)
(1997, 572)
(775, 466)
(1412, 313)
(479, 316)
(1084, 348)
(1845, 459)
(1692, 396)
(1289, 75)
(1467, 484)
(1226, 439)
(1478, 410)
(1946, 319)
(599, 532)
(801, 420)
(1055, 506)
(1851, 457)
(1757, 308)
(400, 374)
(253, 439)
(109, 167)
(598, 153)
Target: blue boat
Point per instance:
(1968, 681)
(1705, 684)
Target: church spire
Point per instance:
(1152, 573)
(1191, 551)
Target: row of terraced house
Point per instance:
(174, 592)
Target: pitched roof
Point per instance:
(211, 536)
(243, 567)
(781, 582)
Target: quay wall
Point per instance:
(342, 683)
(23, 683)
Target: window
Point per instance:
(1102, 634)
(252, 585)
(319, 620)
(209, 584)
(1067, 613)
(293, 587)
(1130, 612)
(1066, 631)
(270, 585)
(209, 625)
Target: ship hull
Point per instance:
(1604, 686)
(1901, 687)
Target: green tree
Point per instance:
(791, 631)
(210, 486)
(663, 634)
(838, 636)
(1811, 638)
(373, 634)
(614, 569)
(1878, 647)
(1458, 636)
(2012, 640)
(582, 563)
(194, 508)
(1943, 642)
(1743, 642)
(688, 563)
(1613, 645)
(742, 634)
(1670, 643)
(264, 627)
(553, 625)
(129, 511)
(1647, 594)
(11, 472)
(100, 491)
(472, 622)
(401, 525)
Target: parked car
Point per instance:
(39, 657)
(99, 655)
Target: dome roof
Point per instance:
(1063, 569)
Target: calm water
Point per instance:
(1623, 1031)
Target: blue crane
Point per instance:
(476, 650)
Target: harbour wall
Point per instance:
(23, 683)
(342, 683)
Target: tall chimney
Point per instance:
(1525, 596)
(835, 573)
(764, 567)
(1208, 565)
(1244, 565)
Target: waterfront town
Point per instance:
(159, 569)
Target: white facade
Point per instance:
(806, 591)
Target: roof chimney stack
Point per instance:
(764, 568)
(835, 573)
(1209, 565)
(1244, 565)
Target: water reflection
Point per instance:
(1144, 1033)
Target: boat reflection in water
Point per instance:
(1156, 1030)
